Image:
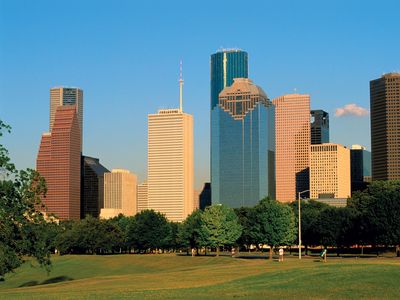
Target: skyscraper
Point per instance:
(92, 186)
(385, 127)
(170, 162)
(243, 145)
(119, 194)
(59, 161)
(60, 96)
(225, 65)
(360, 160)
(292, 132)
(319, 127)
(329, 171)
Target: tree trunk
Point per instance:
(305, 250)
(217, 251)
(270, 253)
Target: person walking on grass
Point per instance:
(280, 254)
(323, 255)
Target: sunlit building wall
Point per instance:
(330, 171)
(292, 134)
(59, 162)
(61, 96)
(170, 163)
(142, 196)
(119, 194)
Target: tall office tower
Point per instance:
(59, 162)
(360, 160)
(243, 166)
(142, 196)
(329, 171)
(170, 162)
(319, 127)
(61, 96)
(385, 127)
(225, 65)
(92, 186)
(119, 194)
(292, 133)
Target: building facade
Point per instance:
(119, 194)
(319, 127)
(243, 145)
(170, 176)
(292, 135)
(92, 186)
(59, 162)
(360, 160)
(61, 96)
(225, 65)
(142, 196)
(205, 196)
(385, 127)
(329, 171)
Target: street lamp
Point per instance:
(300, 222)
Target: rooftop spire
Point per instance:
(180, 86)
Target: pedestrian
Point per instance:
(193, 252)
(233, 252)
(280, 254)
(323, 255)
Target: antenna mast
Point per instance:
(180, 86)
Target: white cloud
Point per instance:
(351, 109)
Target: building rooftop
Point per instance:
(391, 74)
(245, 86)
(227, 50)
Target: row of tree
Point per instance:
(218, 226)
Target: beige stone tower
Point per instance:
(329, 171)
(170, 163)
(170, 176)
(292, 139)
(119, 194)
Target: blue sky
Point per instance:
(125, 56)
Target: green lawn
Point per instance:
(171, 277)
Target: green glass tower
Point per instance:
(242, 134)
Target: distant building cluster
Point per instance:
(277, 148)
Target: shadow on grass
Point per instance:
(47, 281)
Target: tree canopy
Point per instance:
(220, 227)
(21, 224)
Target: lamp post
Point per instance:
(300, 222)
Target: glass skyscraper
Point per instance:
(242, 134)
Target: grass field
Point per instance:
(171, 277)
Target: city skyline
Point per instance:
(112, 77)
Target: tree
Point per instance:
(21, 224)
(310, 211)
(274, 224)
(379, 210)
(334, 227)
(246, 220)
(189, 232)
(220, 227)
(151, 231)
